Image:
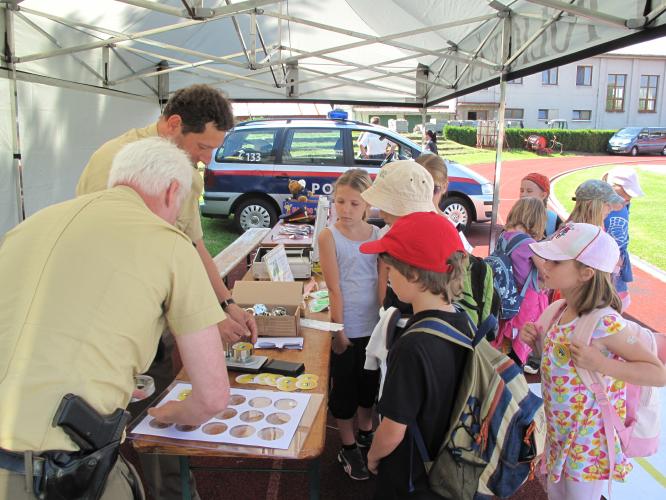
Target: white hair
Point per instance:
(151, 165)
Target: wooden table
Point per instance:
(315, 355)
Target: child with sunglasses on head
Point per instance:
(351, 279)
(578, 261)
(625, 183)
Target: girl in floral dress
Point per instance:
(578, 260)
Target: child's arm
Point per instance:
(532, 335)
(388, 436)
(329, 267)
(640, 366)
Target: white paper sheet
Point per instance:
(266, 419)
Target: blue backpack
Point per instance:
(503, 277)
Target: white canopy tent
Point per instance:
(75, 73)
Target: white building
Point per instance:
(610, 91)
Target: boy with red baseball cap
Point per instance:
(426, 262)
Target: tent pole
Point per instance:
(506, 34)
(424, 111)
(13, 98)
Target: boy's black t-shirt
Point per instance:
(421, 385)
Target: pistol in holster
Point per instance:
(81, 474)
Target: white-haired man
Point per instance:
(94, 282)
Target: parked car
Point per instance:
(559, 123)
(249, 173)
(636, 140)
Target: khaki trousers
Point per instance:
(118, 484)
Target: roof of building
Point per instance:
(655, 47)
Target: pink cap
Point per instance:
(586, 243)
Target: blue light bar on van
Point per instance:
(337, 114)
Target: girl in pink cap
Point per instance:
(578, 261)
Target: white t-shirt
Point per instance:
(373, 144)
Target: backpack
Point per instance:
(503, 277)
(497, 431)
(480, 298)
(639, 433)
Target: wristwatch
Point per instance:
(227, 303)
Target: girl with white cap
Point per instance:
(578, 261)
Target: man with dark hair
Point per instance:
(195, 119)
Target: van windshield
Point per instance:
(628, 132)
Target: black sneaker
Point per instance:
(532, 366)
(353, 464)
(364, 440)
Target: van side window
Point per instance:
(318, 146)
(248, 146)
(657, 133)
(376, 147)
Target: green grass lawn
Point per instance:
(477, 156)
(648, 217)
(218, 233)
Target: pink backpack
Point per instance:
(639, 433)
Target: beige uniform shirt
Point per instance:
(95, 178)
(88, 288)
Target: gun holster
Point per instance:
(81, 475)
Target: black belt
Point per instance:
(15, 462)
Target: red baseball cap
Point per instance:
(424, 240)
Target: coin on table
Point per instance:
(308, 376)
(184, 394)
(246, 378)
(269, 379)
(306, 384)
(287, 384)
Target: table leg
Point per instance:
(313, 479)
(185, 478)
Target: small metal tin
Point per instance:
(260, 310)
(242, 352)
(279, 311)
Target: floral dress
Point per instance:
(576, 446)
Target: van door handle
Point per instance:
(282, 175)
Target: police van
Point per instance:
(249, 174)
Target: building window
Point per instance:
(515, 81)
(514, 113)
(582, 115)
(584, 75)
(543, 114)
(549, 77)
(615, 93)
(647, 99)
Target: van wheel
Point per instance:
(663, 151)
(458, 210)
(254, 212)
(634, 151)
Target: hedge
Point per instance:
(583, 140)
(461, 135)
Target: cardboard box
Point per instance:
(299, 259)
(288, 294)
